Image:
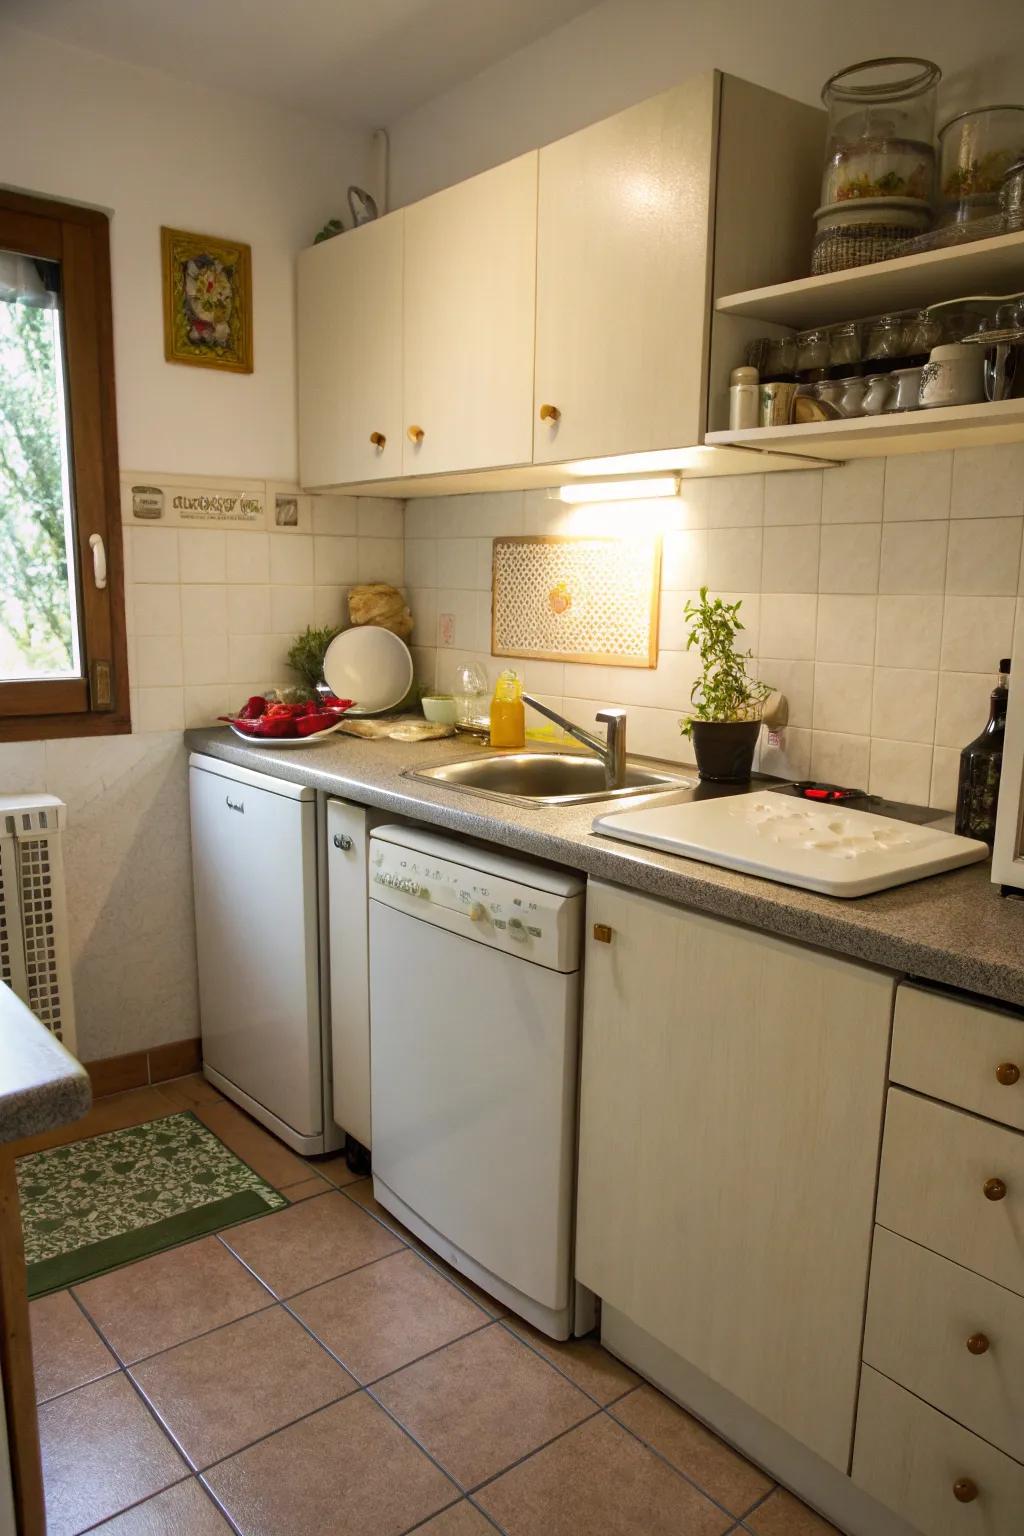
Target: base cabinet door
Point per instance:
(470, 285)
(350, 356)
(731, 1104)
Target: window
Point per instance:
(63, 653)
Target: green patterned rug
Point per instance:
(94, 1204)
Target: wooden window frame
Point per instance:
(79, 238)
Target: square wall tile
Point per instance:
(913, 558)
(976, 633)
(918, 486)
(457, 563)
(205, 659)
(850, 555)
(842, 698)
(903, 708)
(786, 752)
(984, 555)
(330, 606)
(248, 610)
(291, 559)
(484, 564)
(788, 623)
(202, 554)
(154, 554)
(157, 661)
(382, 560)
(853, 492)
(962, 710)
(846, 628)
(796, 680)
(335, 515)
(248, 556)
(421, 562)
(204, 610)
(900, 770)
(456, 619)
(335, 561)
(734, 558)
(206, 703)
(945, 778)
(790, 561)
(684, 560)
(988, 482)
(734, 501)
(792, 496)
(291, 609)
(379, 517)
(838, 758)
(909, 631)
(158, 610)
(258, 659)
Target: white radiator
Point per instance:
(34, 958)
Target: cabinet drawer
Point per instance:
(922, 1310)
(910, 1458)
(960, 1051)
(936, 1164)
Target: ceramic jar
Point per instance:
(877, 390)
(953, 375)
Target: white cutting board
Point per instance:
(820, 847)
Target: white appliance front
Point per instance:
(254, 874)
(474, 1081)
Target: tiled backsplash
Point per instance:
(878, 596)
(212, 610)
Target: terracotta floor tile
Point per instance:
(294, 1250)
(102, 1451)
(461, 1520)
(347, 1470)
(191, 1091)
(335, 1170)
(584, 1361)
(184, 1510)
(108, 1114)
(601, 1481)
(481, 1403)
(66, 1349)
(305, 1189)
(271, 1159)
(385, 1315)
(687, 1444)
(783, 1515)
(219, 1393)
(162, 1301)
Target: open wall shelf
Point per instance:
(960, 426)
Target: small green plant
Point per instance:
(724, 691)
(306, 656)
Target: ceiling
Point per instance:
(358, 63)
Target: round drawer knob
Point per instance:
(965, 1490)
(550, 413)
(1007, 1073)
(978, 1343)
(416, 435)
(994, 1189)
(378, 439)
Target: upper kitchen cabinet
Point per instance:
(470, 289)
(350, 356)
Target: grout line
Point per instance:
(557, 1368)
(98, 1524)
(588, 1418)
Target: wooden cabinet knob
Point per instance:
(416, 434)
(994, 1189)
(1007, 1073)
(378, 439)
(965, 1490)
(978, 1343)
(602, 933)
(550, 413)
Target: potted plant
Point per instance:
(306, 655)
(726, 716)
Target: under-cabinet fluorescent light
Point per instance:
(620, 490)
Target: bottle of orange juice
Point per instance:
(508, 716)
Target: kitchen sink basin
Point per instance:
(545, 778)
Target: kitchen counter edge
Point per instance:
(42, 1086)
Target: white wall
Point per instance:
(154, 151)
(624, 50)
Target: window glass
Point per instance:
(39, 627)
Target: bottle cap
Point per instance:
(744, 376)
(508, 687)
(1004, 665)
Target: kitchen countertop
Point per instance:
(953, 928)
(42, 1086)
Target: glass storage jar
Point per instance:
(843, 348)
(885, 343)
(812, 354)
(881, 127)
(976, 150)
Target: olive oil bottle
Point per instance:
(981, 762)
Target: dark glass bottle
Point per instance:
(980, 764)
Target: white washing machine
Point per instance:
(474, 1024)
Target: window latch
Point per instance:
(99, 561)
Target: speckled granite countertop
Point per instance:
(42, 1086)
(953, 928)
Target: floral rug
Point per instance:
(94, 1204)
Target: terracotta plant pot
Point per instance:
(724, 749)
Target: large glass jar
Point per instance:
(977, 149)
(881, 127)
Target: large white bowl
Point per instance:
(371, 666)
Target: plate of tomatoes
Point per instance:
(276, 724)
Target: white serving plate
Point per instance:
(820, 848)
(371, 666)
(285, 741)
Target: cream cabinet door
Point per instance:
(350, 356)
(623, 279)
(731, 1106)
(470, 291)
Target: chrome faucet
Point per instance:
(611, 751)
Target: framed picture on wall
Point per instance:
(207, 301)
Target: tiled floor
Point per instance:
(315, 1373)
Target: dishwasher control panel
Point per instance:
(534, 923)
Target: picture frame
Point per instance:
(207, 292)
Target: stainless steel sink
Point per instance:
(545, 778)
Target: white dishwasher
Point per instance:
(474, 1024)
